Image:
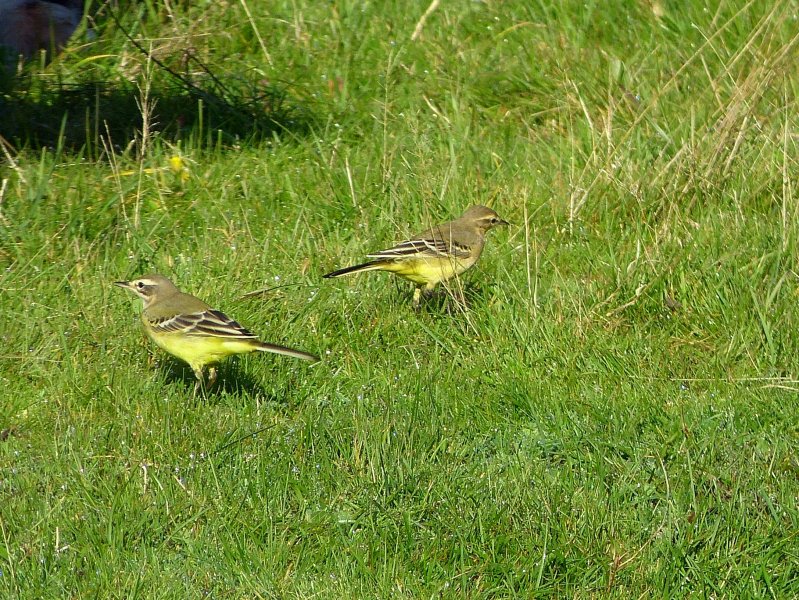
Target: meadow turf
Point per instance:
(615, 412)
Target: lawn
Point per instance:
(612, 413)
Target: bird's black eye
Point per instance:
(140, 285)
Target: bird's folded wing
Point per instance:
(207, 323)
(425, 247)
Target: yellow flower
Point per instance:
(178, 166)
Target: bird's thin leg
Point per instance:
(417, 297)
(211, 376)
(198, 373)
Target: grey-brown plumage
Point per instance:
(190, 329)
(435, 255)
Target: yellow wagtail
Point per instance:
(189, 329)
(435, 255)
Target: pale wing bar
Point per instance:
(209, 322)
(424, 247)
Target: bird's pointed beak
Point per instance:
(503, 222)
(124, 284)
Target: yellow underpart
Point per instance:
(428, 271)
(200, 351)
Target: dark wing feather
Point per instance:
(208, 322)
(459, 250)
(431, 247)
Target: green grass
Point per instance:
(614, 415)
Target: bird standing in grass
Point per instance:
(189, 329)
(435, 255)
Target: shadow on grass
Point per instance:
(81, 116)
(231, 380)
(454, 300)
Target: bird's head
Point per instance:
(484, 218)
(149, 287)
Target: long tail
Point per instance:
(369, 266)
(264, 347)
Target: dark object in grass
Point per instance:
(28, 27)
(7, 433)
(672, 304)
